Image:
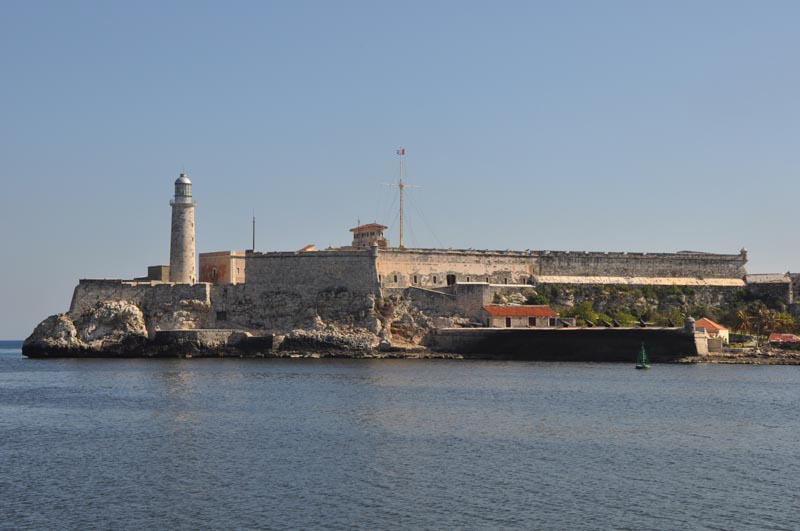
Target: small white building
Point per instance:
(523, 316)
(713, 330)
(364, 236)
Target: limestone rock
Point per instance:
(350, 341)
(109, 328)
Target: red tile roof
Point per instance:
(369, 226)
(783, 338)
(520, 311)
(708, 324)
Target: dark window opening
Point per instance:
(531, 321)
(395, 278)
(505, 281)
(222, 316)
(451, 279)
(553, 321)
(508, 322)
(415, 279)
(435, 280)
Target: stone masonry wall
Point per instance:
(285, 291)
(429, 268)
(699, 265)
(165, 306)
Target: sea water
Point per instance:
(396, 444)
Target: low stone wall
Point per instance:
(566, 344)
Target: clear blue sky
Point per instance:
(629, 126)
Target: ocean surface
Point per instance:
(390, 444)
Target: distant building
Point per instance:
(713, 330)
(371, 233)
(223, 267)
(156, 273)
(775, 338)
(779, 286)
(527, 316)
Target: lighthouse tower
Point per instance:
(181, 247)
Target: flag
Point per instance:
(401, 151)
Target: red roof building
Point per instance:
(521, 311)
(713, 330)
(527, 316)
(783, 338)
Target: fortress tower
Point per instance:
(181, 248)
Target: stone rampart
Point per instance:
(165, 306)
(285, 291)
(434, 268)
(684, 264)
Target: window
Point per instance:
(415, 279)
(451, 279)
(467, 279)
(531, 321)
(213, 274)
(222, 316)
(505, 281)
(508, 322)
(435, 280)
(395, 278)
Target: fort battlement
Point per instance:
(620, 264)
(433, 268)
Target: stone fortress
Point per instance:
(370, 290)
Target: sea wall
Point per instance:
(566, 344)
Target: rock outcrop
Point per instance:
(110, 328)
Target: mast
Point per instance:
(401, 185)
(254, 231)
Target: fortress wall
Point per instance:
(314, 271)
(773, 291)
(284, 291)
(165, 306)
(700, 265)
(397, 267)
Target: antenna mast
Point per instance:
(401, 185)
(254, 231)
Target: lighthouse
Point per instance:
(181, 247)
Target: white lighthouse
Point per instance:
(181, 247)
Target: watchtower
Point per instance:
(182, 245)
